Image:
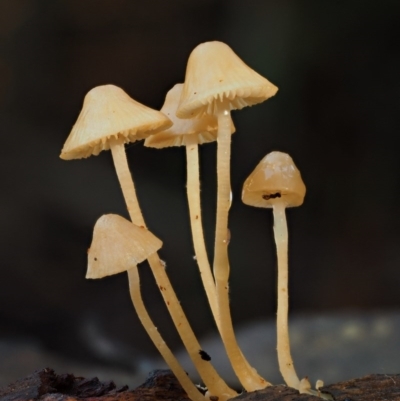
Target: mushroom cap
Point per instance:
(275, 179)
(108, 112)
(183, 131)
(215, 73)
(118, 245)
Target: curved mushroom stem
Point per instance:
(247, 375)
(212, 380)
(151, 330)
(283, 344)
(125, 180)
(193, 194)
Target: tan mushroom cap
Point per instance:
(183, 131)
(215, 73)
(108, 112)
(118, 245)
(275, 179)
(200, 130)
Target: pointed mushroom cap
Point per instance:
(183, 131)
(108, 112)
(276, 178)
(214, 72)
(118, 245)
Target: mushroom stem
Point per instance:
(212, 380)
(283, 344)
(125, 180)
(247, 375)
(209, 375)
(193, 194)
(221, 261)
(151, 329)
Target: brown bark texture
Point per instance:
(161, 385)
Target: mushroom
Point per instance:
(109, 119)
(276, 183)
(216, 82)
(118, 246)
(190, 133)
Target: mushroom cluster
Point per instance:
(195, 112)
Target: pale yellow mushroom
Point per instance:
(109, 119)
(118, 246)
(191, 133)
(276, 183)
(216, 82)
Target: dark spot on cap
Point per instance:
(271, 196)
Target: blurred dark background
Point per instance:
(336, 63)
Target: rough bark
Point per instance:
(161, 385)
(45, 385)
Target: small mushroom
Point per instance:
(190, 133)
(118, 246)
(276, 183)
(305, 386)
(109, 119)
(216, 82)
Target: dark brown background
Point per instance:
(337, 66)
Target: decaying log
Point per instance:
(276, 393)
(368, 388)
(161, 385)
(46, 385)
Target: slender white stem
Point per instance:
(209, 375)
(247, 375)
(283, 344)
(221, 261)
(212, 380)
(151, 329)
(125, 180)
(193, 195)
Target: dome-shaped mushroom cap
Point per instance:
(118, 245)
(183, 131)
(215, 73)
(275, 179)
(108, 112)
